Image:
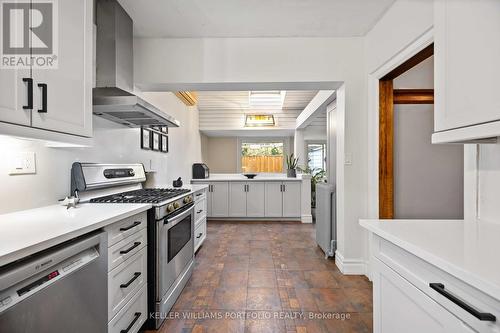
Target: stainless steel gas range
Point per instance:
(170, 226)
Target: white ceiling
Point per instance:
(252, 18)
(238, 100)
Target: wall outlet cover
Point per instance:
(23, 163)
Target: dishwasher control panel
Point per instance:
(24, 289)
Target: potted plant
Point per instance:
(291, 164)
(318, 175)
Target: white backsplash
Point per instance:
(113, 143)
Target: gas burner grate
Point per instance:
(147, 195)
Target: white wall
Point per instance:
(221, 154)
(428, 179)
(112, 144)
(171, 62)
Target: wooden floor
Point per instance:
(269, 277)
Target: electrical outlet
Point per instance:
(23, 163)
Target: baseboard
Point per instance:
(306, 218)
(350, 266)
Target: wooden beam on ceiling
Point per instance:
(386, 145)
(413, 96)
(410, 63)
(189, 98)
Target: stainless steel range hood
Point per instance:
(113, 98)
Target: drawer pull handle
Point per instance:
(484, 316)
(136, 244)
(199, 194)
(125, 285)
(198, 212)
(135, 224)
(137, 315)
(199, 235)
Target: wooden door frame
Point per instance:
(374, 77)
(387, 98)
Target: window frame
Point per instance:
(317, 142)
(279, 139)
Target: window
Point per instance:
(316, 153)
(262, 156)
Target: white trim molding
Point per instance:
(350, 266)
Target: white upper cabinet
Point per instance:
(60, 101)
(69, 87)
(14, 91)
(467, 68)
(256, 199)
(291, 199)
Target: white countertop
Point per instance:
(467, 250)
(26, 232)
(227, 177)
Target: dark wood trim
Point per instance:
(386, 142)
(413, 96)
(410, 63)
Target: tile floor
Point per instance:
(268, 277)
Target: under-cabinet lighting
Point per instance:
(259, 120)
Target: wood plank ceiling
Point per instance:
(227, 109)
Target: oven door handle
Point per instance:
(178, 218)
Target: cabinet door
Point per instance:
(14, 92)
(69, 87)
(220, 199)
(274, 199)
(399, 307)
(466, 53)
(256, 199)
(291, 199)
(237, 199)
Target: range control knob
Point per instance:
(176, 205)
(170, 208)
(188, 199)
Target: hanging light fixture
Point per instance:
(259, 120)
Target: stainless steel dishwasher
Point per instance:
(62, 289)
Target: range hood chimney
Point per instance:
(113, 97)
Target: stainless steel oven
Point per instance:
(174, 255)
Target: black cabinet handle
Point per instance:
(199, 194)
(137, 315)
(44, 97)
(199, 235)
(484, 316)
(198, 212)
(30, 93)
(136, 244)
(135, 224)
(136, 275)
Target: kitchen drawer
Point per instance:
(126, 227)
(200, 195)
(132, 315)
(200, 234)
(125, 280)
(421, 273)
(200, 210)
(126, 248)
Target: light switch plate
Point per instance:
(348, 159)
(23, 163)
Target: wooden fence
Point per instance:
(262, 163)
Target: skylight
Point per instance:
(266, 99)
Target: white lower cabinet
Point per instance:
(200, 219)
(256, 199)
(200, 234)
(133, 315)
(401, 307)
(274, 199)
(218, 199)
(127, 274)
(237, 199)
(291, 199)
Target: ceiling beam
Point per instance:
(413, 96)
(315, 106)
